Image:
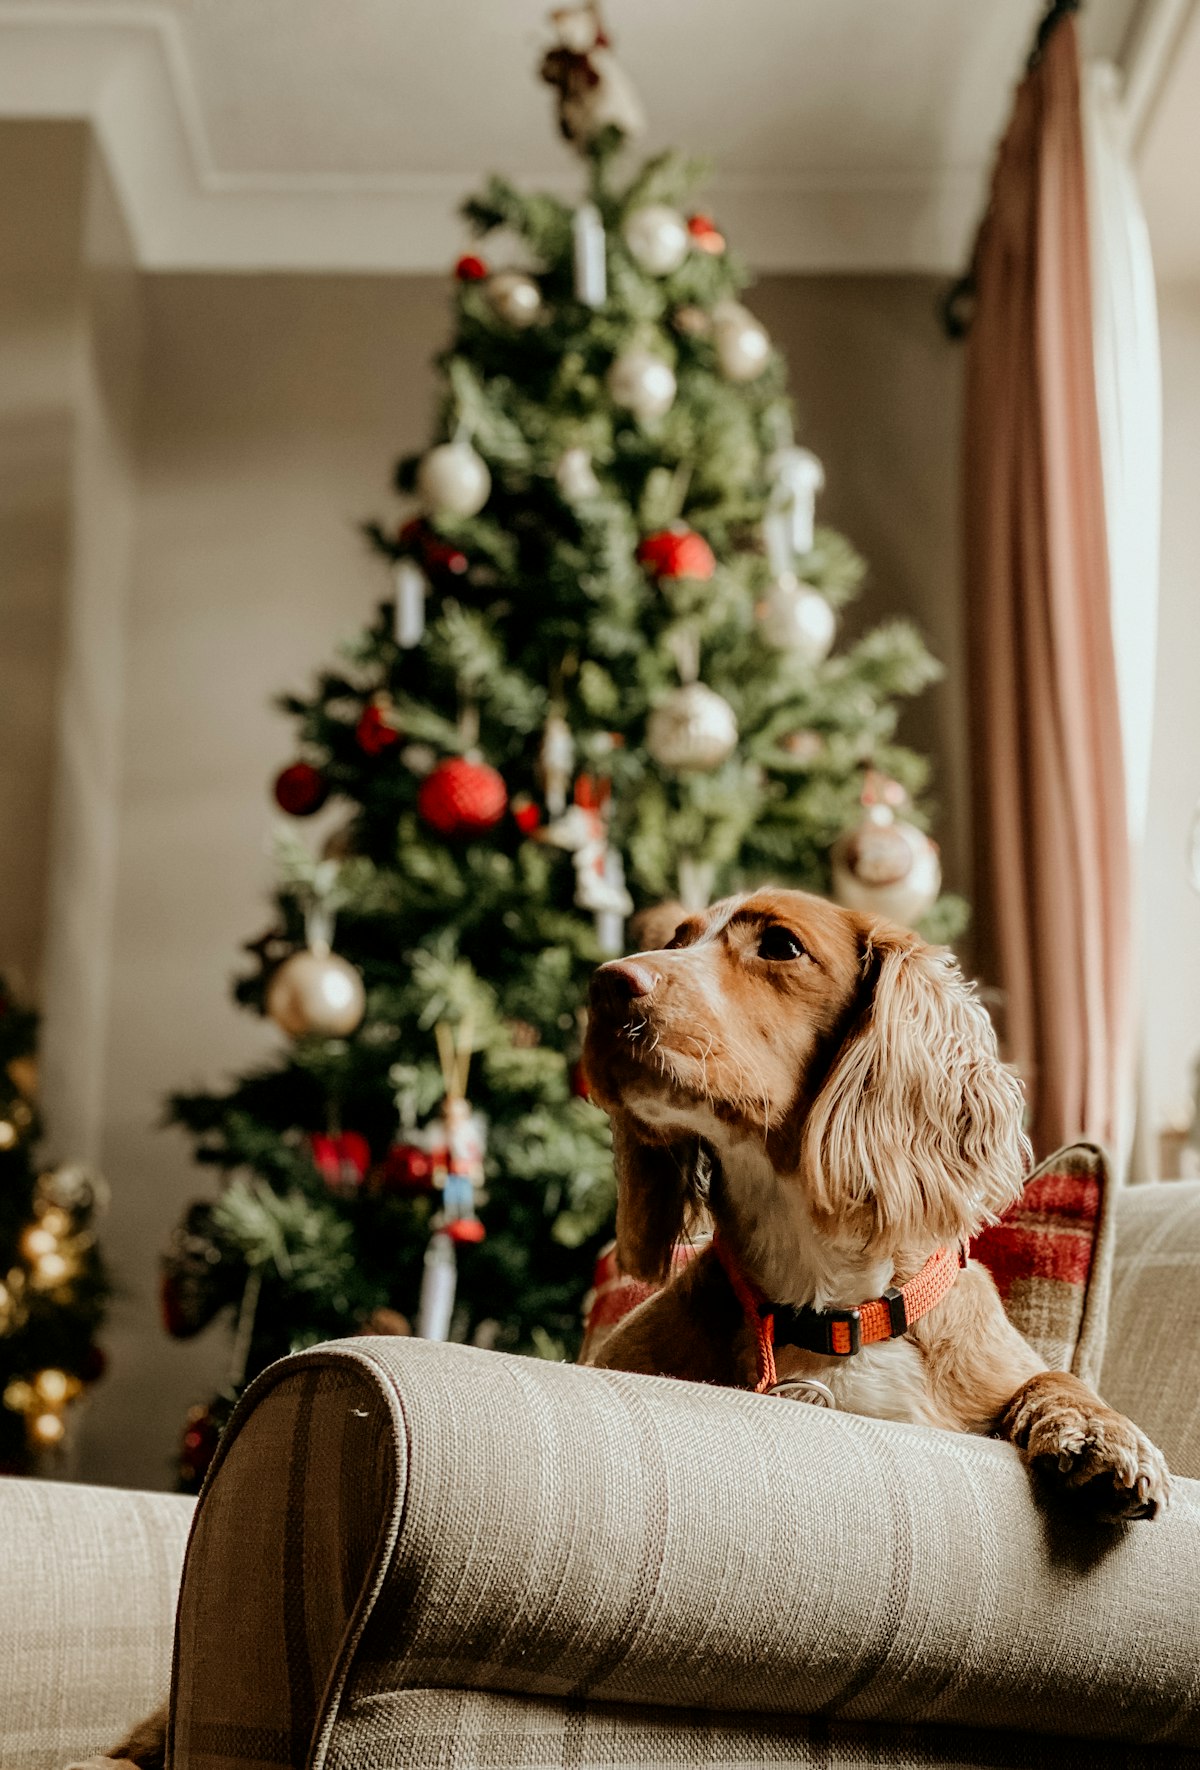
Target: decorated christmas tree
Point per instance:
(604, 684)
(52, 1283)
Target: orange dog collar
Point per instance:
(837, 1333)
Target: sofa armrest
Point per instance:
(88, 1581)
(390, 1514)
(1150, 1346)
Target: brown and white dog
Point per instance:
(826, 1087)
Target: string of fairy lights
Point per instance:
(51, 1281)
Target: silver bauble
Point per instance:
(657, 238)
(453, 480)
(693, 729)
(514, 298)
(316, 992)
(576, 477)
(743, 348)
(887, 868)
(797, 619)
(642, 382)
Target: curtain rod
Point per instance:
(957, 304)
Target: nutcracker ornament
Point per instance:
(886, 866)
(459, 1168)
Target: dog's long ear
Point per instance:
(917, 1130)
(656, 1185)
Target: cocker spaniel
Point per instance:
(826, 1088)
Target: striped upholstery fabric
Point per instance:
(389, 1520)
(88, 1577)
(1051, 1257)
(476, 1730)
(1150, 1362)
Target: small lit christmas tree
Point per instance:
(52, 1282)
(605, 680)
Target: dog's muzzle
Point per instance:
(620, 982)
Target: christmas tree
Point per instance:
(604, 683)
(52, 1283)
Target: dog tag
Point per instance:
(804, 1389)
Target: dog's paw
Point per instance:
(1084, 1448)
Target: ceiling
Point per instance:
(342, 134)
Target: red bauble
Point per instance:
(439, 558)
(464, 1229)
(461, 796)
(406, 1168)
(470, 268)
(341, 1161)
(677, 553)
(526, 815)
(201, 1435)
(93, 1364)
(301, 789)
(706, 236)
(375, 731)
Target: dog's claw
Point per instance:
(1086, 1449)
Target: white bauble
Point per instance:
(642, 382)
(514, 298)
(743, 347)
(316, 992)
(693, 729)
(797, 619)
(576, 477)
(657, 238)
(887, 868)
(453, 480)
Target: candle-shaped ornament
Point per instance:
(798, 477)
(412, 587)
(439, 1280)
(591, 262)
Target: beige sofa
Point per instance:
(419, 1555)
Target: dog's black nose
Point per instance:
(620, 981)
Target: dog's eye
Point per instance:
(778, 942)
(678, 939)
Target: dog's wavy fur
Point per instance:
(838, 1115)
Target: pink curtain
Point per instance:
(1052, 854)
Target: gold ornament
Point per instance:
(743, 348)
(886, 866)
(48, 1428)
(8, 1133)
(316, 992)
(642, 383)
(657, 239)
(23, 1074)
(453, 480)
(515, 299)
(797, 619)
(692, 730)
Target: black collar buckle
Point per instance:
(812, 1330)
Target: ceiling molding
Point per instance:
(125, 69)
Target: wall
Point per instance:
(272, 410)
(41, 198)
(1171, 928)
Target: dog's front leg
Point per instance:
(144, 1749)
(1069, 1435)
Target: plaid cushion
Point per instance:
(1050, 1256)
